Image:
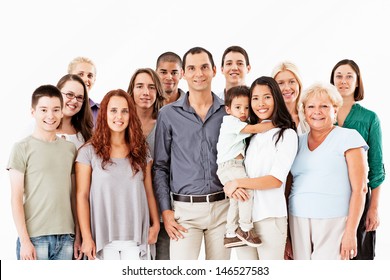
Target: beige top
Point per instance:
(47, 168)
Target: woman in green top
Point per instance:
(347, 78)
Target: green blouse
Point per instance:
(368, 125)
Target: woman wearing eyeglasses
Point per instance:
(77, 122)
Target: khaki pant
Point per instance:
(240, 212)
(273, 234)
(202, 220)
(316, 239)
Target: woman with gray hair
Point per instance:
(329, 181)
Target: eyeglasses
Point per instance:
(70, 95)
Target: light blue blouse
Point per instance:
(321, 187)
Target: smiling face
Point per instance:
(47, 114)
(71, 105)
(117, 114)
(320, 112)
(289, 86)
(87, 72)
(199, 72)
(345, 80)
(144, 91)
(170, 74)
(262, 102)
(235, 69)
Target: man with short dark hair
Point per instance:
(185, 165)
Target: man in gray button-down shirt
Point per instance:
(185, 163)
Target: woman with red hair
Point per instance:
(116, 207)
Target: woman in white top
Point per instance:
(289, 80)
(268, 161)
(77, 124)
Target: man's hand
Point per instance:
(171, 226)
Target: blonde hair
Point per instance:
(78, 60)
(289, 66)
(321, 89)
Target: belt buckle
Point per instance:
(208, 198)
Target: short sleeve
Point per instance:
(351, 139)
(234, 125)
(84, 154)
(17, 159)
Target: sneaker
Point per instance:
(249, 238)
(230, 242)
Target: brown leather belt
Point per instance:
(199, 198)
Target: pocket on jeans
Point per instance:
(37, 239)
(176, 215)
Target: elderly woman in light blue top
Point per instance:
(329, 181)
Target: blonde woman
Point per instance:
(289, 80)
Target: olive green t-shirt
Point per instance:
(47, 168)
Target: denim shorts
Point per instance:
(51, 247)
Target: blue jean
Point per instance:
(51, 247)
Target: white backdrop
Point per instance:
(39, 38)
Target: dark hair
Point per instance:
(197, 50)
(134, 138)
(237, 49)
(160, 95)
(46, 90)
(359, 90)
(281, 117)
(236, 92)
(82, 121)
(169, 57)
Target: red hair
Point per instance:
(136, 142)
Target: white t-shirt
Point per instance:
(264, 158)
(231, 142)
(76, 139)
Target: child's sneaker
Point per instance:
(230, 242)
(249, 238)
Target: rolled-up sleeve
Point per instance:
(376, 173)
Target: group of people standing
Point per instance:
(270, 170)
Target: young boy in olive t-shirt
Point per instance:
(41, 174)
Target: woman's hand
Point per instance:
(348, 246)
(230, 187)
(372, 220)
(88, 247)
(240, 194)
(153, 234)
